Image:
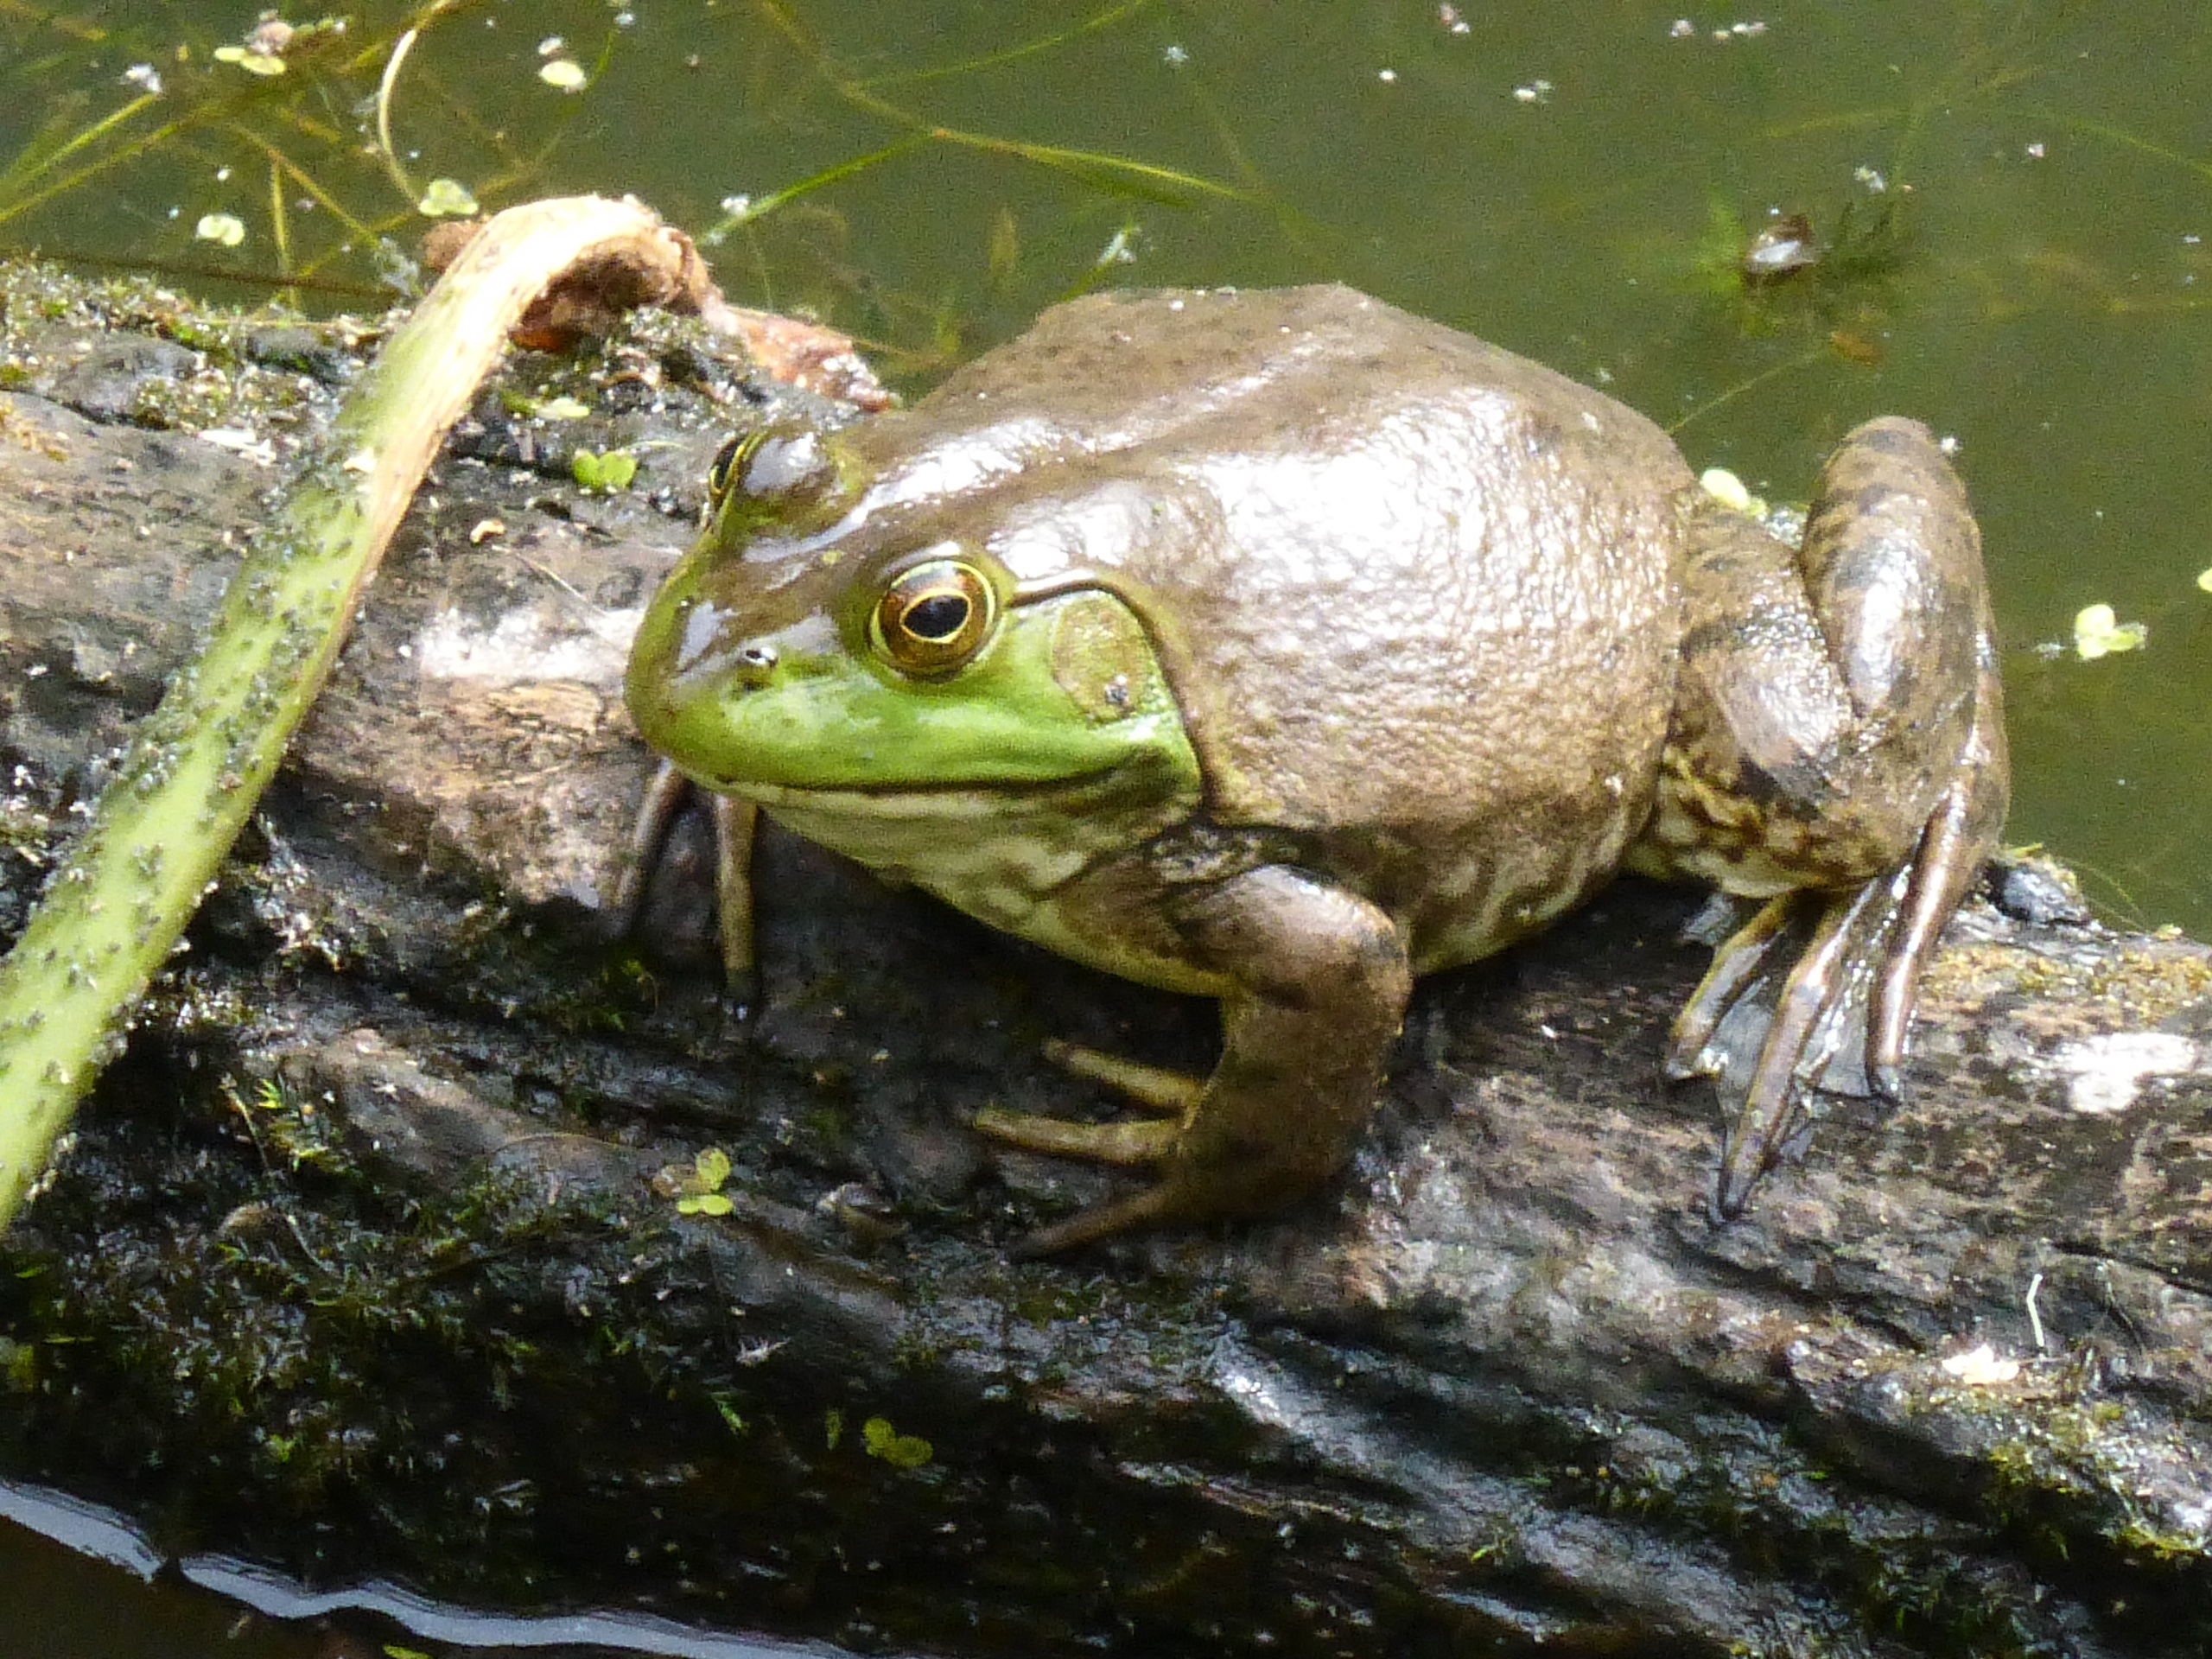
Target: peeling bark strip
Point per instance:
(372, 1259)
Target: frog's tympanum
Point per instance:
(1279, 646)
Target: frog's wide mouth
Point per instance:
(907, 798)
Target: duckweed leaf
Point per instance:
(899, 1450)
(606, 473)
(225, 229)
(254, 63)
(2098, 632)
(446, 197)
(704, 1194)
(1727, 488)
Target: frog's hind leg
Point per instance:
(1838, 753)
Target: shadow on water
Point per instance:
(81, 1583)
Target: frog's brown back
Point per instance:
(1418, 596)
(1440, 594)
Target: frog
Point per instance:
(1279, 646)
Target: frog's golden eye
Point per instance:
(934, 617)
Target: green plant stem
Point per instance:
(113, 912)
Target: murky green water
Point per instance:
(58, 1604)
(2020, 189)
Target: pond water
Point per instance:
(2011, 200)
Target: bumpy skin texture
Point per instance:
(1391, 646)
(1416, 595)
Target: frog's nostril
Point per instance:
(756, 663)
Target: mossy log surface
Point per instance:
(372, 1258)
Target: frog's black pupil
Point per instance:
(936, 616)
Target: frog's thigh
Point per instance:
(1892, 561)
(1829, 695)
(1892, 566)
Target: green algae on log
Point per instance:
(117, 906)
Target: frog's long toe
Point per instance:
(1960, 835)
(1156, 1206)
(1154, 1088)
(1825, 988)
(1748, 1153)
(1141, 1142)
(1739, 961)
(1173, 1095)
(1129, 1142)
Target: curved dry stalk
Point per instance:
(400, 48)
(115, 909)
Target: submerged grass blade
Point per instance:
(759, 208)
(27, 167)
(1115, 175)
(307, 181)
(130, 149)
(280, 228)
(1090, 25)
(198, 763)
(48, 17)
(1729, 394)
(1118, 176)
(2127, 140)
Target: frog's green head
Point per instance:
(825, 634)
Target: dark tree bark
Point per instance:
(382, 1252)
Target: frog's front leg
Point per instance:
(1838, 749)
(1320, 979)
(735, 825)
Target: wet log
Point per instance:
(427, 1233)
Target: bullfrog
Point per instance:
(1279, 646)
